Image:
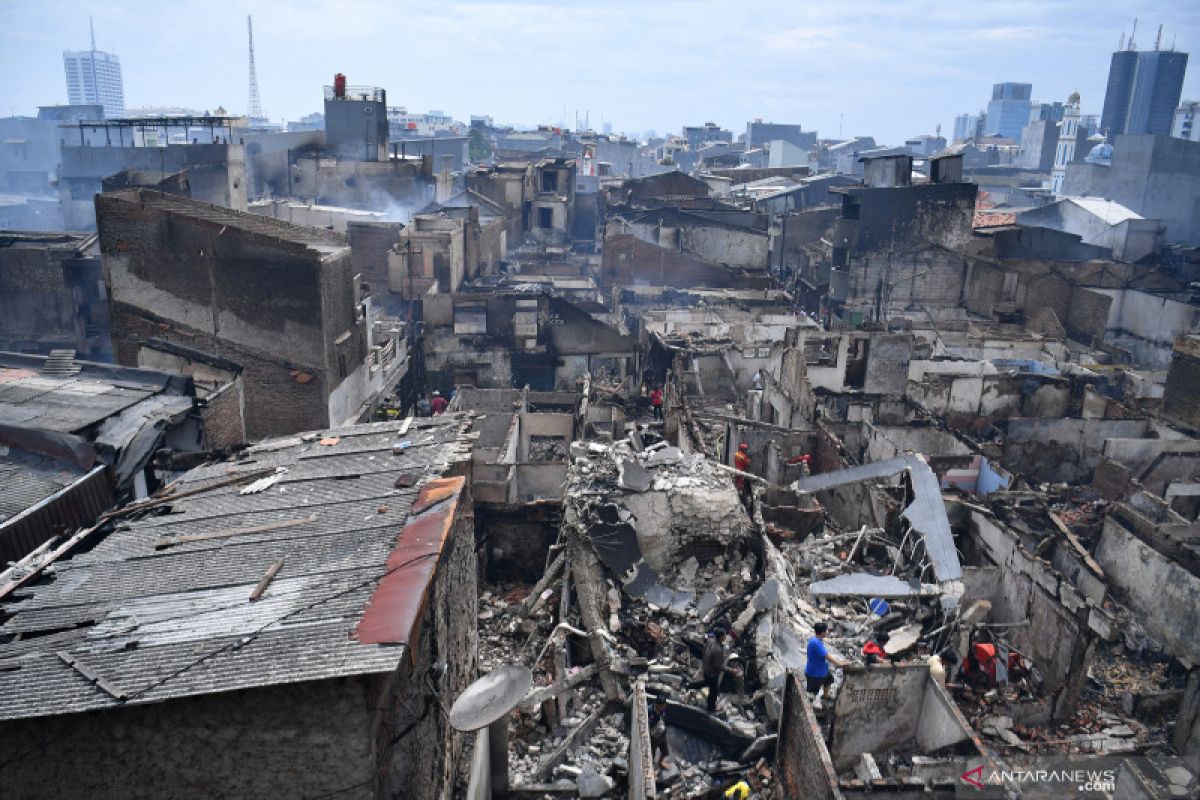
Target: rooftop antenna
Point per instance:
(1121, 45)
(1158, 38)
(92, 26)
(256, 111)
(1132, 34)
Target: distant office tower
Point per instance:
(94, 76)
(1008, 112)
(966, 126)
(1187, 121)
(1143, 91)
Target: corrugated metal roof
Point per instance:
(160, 618)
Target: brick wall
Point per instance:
(1181, 398)
(299, 740)
(276, 401)
(369, 245)
(222, 416)
(1088, 317)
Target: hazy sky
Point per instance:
(887, 68)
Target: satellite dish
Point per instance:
(491, 697)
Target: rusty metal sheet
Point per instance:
(394, 612)
(435, 492)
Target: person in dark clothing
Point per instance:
(424, 409)
(714, 666)
(657, 714)
(873, 652)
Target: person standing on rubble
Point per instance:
(438, 403)
(424, 408)
(714, 665)
(817, 676)
(657, 715)
(656, 402)
(741, 462)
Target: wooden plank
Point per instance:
(266, 579)
(204, 537)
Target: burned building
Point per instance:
(898, 246)
(52, 295)
(178, 270)
(440, 251)
(214, 163)
(501, 341)
(538, 198)
(323, 584)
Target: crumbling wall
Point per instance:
(1162, 592)
(1063, 450)
(878, 710)
(1061, 622)
(279, 397)
(802, 759)
(1181, 397)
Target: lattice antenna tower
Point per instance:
(256, 111)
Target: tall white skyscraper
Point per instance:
(94, 76)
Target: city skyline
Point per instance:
(900, 74)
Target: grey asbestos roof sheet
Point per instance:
(66, 405)
(160, 619)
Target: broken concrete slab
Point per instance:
(633, 476)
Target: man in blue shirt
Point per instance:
(816, 672)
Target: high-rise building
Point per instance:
(94, 76)
(966, 126)
(1143, 91)
(1187, 121)
(1009, 110)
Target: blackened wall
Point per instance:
(283, 310)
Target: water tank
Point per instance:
(339, 86)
